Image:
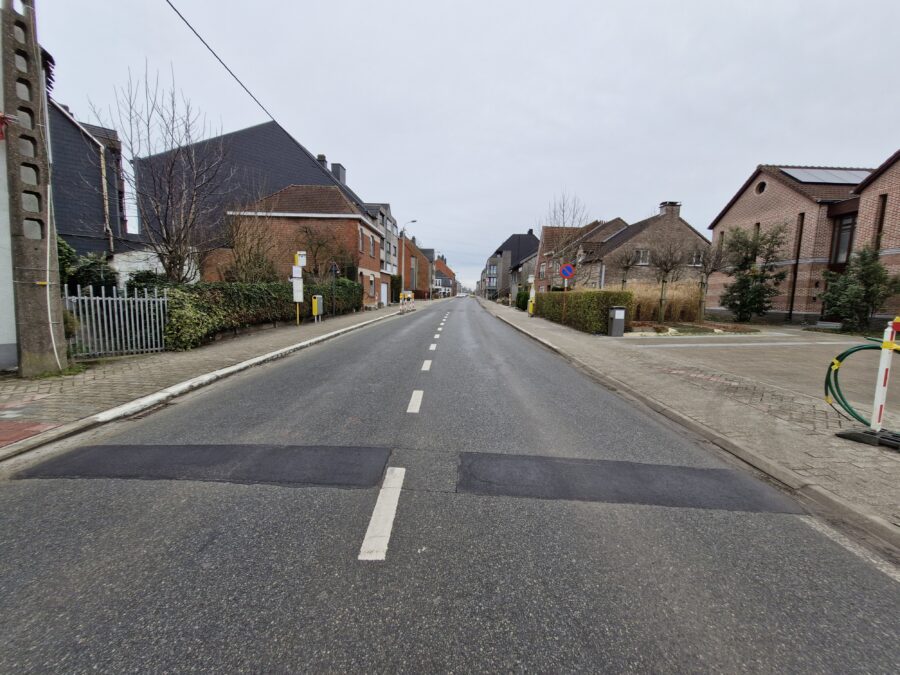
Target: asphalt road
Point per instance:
(541, 524)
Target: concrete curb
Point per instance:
(167, 394)
(872, 523)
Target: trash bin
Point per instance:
(616, 325)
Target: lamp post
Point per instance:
(402, 249)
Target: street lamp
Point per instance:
(402, 249)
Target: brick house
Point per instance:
(416, 268)
(321, 220)
(444, 277)
(827, 213)
(596, 248)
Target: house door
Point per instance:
(384, 293)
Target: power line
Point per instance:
(219, 59)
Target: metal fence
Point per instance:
(116, 324)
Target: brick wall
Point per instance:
(778, 205)
(880, 202)
(290, 235)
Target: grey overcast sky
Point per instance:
(471, 116)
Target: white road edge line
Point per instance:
(881, 565)
(415, 401)
(432, 347)
(426, 365)
(378, 535)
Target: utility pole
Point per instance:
(27, 232)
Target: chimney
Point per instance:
(670, 209)
(339, 172)
(530, 231)
(322, 161)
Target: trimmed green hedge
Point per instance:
(197, 312)
(585, 310)
(522, 299)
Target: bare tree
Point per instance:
(253, 248)
(177, 185)
(667, 259)
(711, 259)
(624, 259)
(324, 247)
(568, 215)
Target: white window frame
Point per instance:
(642, 257)
(696, 259)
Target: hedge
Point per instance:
(522, 299)
(585, 310)
(197, 312)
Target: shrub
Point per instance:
(522, 299)
(859, 292)
(147, 280)
(587, 311)
(751, 262)
(198, 312)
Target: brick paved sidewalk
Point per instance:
(776, 418)
(29, 407)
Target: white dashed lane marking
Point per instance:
(378, 535)
(426, 365)
(415, 401)
(437, 336)
(432, 347)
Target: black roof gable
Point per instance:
(520, 247)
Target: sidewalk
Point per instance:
(758, 398)
(34, 410)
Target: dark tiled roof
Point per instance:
(307, 199)
(428, 253)
(817, 192)
(102, 134)
(622, 237)
(887, 164)
(594, 244)
(266, 158)
(520, 246)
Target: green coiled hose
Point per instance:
(833, 391)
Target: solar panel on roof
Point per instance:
(833, 176)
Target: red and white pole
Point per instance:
(884, 373)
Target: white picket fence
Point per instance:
(114, 324)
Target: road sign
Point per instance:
(567, 271)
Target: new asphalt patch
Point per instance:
(272, 464)
(617, 482)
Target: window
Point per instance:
(372, 285)
(543, 272)
(696, 259)
(492, 270)
(395, 249)
(492, 282)
(360, 241)
(842, 241)
(371, 245)
(879, 220)
(756, 230)
(760, 187)
(642, 256)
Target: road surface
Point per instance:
(433, 493)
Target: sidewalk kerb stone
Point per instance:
(873, 523)
(164, 395)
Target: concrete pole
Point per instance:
(27, 209)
